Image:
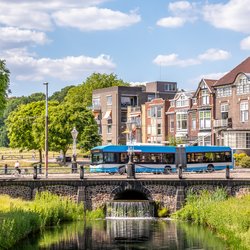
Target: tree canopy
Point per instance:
(4, 85)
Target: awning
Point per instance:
(134, 115)
(107, 115)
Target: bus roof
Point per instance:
(136, 148)
(193, 149)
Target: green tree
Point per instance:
(60, 95)
(21, 124)
(173, 141)
(12, 104)
(4, 85)
(62, 120)
(83, 92)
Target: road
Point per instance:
(243, 174)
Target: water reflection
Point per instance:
(125, 235)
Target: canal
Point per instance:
(124, 234)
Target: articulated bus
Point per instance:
(159, 159)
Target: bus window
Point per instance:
(123, 158)
(168, 158)
(110, 157)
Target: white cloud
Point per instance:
(179, 6)
(173, 60)
(245, 43)
(28, 67)
(24, 16)
(214, 55)
(93, 18)
(182, 12)
(233, 15)
(11, 37)
(171, 22)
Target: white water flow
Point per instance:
(130, 209)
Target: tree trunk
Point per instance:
(40, 156)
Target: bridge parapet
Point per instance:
(95, 193)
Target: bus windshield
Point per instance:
(97, 158)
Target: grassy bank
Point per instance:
(228, 217)
(19, 218)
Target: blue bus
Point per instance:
(159, 158)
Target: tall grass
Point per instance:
(19, 218)
(228, 217)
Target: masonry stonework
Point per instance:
(95, 193)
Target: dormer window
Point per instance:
(243, 86)
(182, 101)
(205, 97)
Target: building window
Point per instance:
(96, 103)
(158, 129)
(123, 116)
(204, 97)
(109, 128)
(128, 101)
(244, 111)
(181, 121)
(240, 140)
(194, 101)
(204, 140)
(193, 121)
(151, 97)
(109, 100)
(171, 125)
(169, 87)
(155, 111)
(205, 119)
(172, 103)
(182, 102)
(224, 107)
(223, 92)
(243, 86)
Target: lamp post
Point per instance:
(74, 134)
(46, 129)
(130, 167)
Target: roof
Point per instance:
(208, 82)
(229, 78)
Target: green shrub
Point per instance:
(99, 213)
(163, 212)
(238, 157)
(245, 162)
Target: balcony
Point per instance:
(135, 109)
(95, 107)
(221, 123)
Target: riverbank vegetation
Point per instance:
(228, 217)
(19, 218)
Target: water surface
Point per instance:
(124, 234)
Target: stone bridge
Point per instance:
(95, 193)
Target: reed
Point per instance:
(19, 218)
(228, 217)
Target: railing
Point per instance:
(221, 123)
(135, 109)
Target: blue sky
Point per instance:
(63, 42)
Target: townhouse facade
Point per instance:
(110, 109)
(232, 98)
(216, 113)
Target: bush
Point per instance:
(245, 162)
(238, 157)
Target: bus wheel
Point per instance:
(167, 170)
(210, 168)
(111, 173)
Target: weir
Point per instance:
(130, 209)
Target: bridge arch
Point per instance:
(131, 192)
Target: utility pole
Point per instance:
(46, 129)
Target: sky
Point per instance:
(63, 42)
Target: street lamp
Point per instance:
(46, 129)
(74, 134)
(130, 168)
